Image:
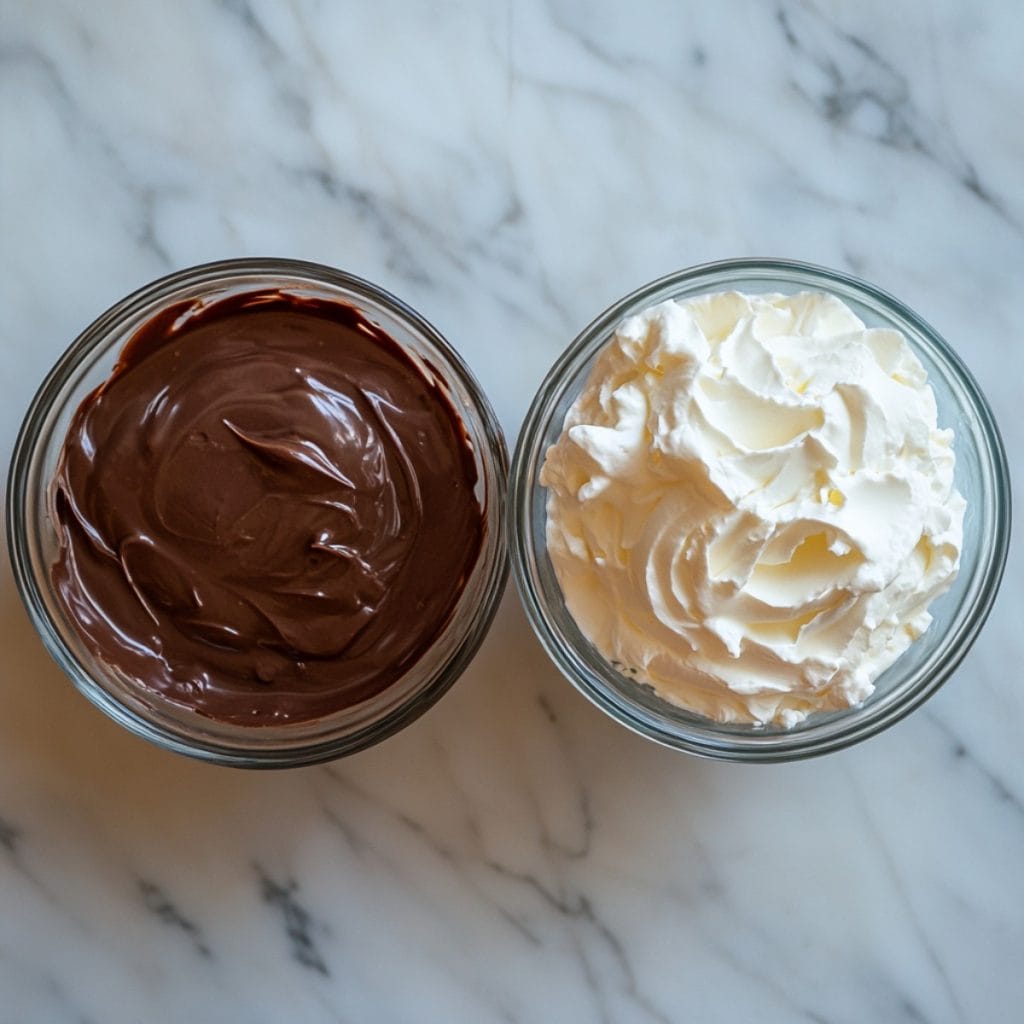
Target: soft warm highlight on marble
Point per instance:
(510, 169)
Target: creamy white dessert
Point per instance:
(751, 504)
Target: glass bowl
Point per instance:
(981, 476)
(32, 540)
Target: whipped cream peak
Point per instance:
(751, 505)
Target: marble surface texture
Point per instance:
(510, 169)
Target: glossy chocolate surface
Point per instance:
(267, 512)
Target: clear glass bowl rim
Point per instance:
(229, 272)
(709, 739)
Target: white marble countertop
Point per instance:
(510, 169)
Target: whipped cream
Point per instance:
(751, 504)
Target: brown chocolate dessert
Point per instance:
(267, 512)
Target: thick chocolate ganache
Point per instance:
(267, 512)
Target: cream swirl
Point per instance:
(751, 505)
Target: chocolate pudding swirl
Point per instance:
(267, 512)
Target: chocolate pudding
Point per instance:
(267, 512)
